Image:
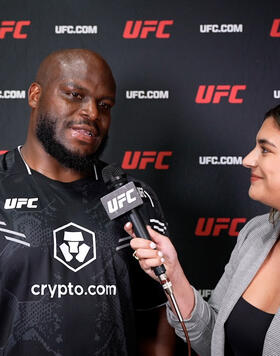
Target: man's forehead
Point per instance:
(83, 77)
(80, 67)
(74, 65)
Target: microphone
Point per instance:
(125, 199)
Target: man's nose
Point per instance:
(250, 160)
(90, 109)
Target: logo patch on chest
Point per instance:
(17, 203)
(74, 246)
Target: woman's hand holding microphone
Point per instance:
(157, 251)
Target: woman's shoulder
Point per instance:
(257, 227)
(259, 221)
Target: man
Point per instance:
(69, 285)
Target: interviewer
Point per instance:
(242, 317)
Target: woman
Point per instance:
(242, 317)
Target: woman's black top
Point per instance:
(245, 330)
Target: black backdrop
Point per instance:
(193, 85)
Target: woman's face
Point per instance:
(264, 162)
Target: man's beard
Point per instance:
(45, 132)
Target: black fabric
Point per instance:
(33, 324)
(245, 330)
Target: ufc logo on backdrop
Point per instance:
(214, 227)
(141, 29)
(275, 29)
(15, 27)
(140, 160)
(207, 94)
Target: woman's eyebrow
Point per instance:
(262, 141)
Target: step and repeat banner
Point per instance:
(194, 81)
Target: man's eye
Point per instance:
(76, 95)
(105, 106)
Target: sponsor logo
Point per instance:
(17, 203)
(76, 30)
(14, 27)
(121, 200)
(213, 93)
(74, 246)
(140, 160)
(147, 94)
(12, 94)
(275, 29)
(215, 226)
(224, 28)
(60, 290)
(276, 94)
(222, 160)
(3, 152)
(141, 29)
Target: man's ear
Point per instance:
(34, 93)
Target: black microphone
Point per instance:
(124, 199)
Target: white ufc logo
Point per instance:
(17, 203)
(118, 202)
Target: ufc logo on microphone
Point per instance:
(141, 29)
(275, 29)
(15, 27)
(213, 94)
(118, 203)
(121, 200)
(140, 160)
(214, 227)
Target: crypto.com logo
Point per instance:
(15, 27)
(214, 93)
(74, 246)
(141, 29)
(275, 29)
(140, 160)
(214, 226)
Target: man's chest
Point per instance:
(58, 238)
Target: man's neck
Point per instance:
(39, 160)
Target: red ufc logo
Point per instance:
(141, 29)
(213, 94)
(214, 227)
(140, 160)
(275, 29)
(15, 27)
